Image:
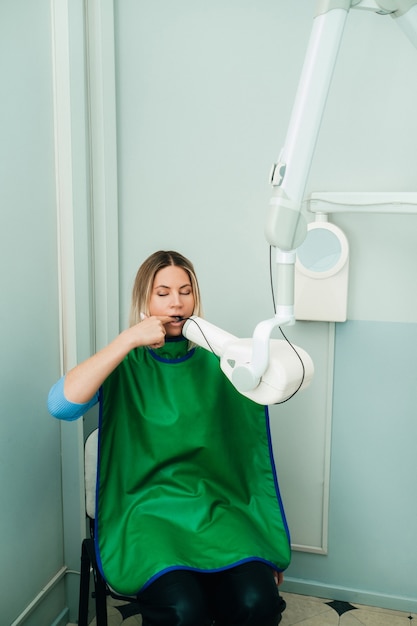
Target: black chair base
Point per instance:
(88, 563)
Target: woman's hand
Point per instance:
(279, 578)
(151, 331)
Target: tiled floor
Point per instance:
(303, 610)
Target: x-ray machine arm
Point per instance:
(254, 366)
(285, 227)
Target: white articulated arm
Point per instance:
(404, 12)
(270, 371)
(286, 227)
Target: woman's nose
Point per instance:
(176, 300)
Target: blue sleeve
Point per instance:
(63, 409)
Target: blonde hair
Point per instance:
(145, 277)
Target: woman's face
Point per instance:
(172, 295)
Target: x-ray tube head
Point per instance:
(288, 369)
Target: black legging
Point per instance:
(245, 595)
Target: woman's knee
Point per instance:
(189, 612)
(250, 597)
(175, 599)
(259, 606)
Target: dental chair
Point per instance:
(88, 554)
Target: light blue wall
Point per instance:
(372, 523)
(204, 94)
(31, 533)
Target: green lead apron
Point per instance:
(186, 478)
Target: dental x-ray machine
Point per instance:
(270, 371)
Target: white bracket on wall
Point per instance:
(363, 202)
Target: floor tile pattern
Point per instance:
(300, 611)
(341, 607)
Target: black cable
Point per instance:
(302, 365)
(271, 280)
(191, 319)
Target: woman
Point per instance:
(189, 516)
